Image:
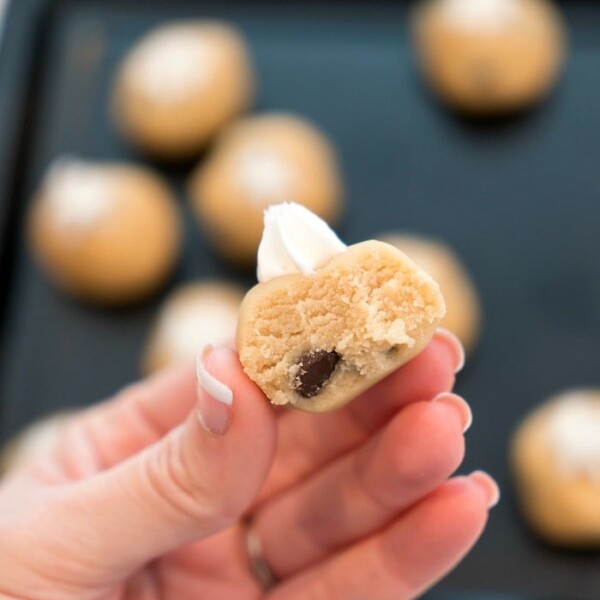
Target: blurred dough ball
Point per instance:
(192, 316)
(38, 439)
(556, 464)
(180, 84)
(489, 56)
(106, 232)
(257, 162)
(463, 310)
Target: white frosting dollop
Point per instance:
(574, 434)
(264, 175)
(78, 194)
(172, 62)
(194, 325)
(294, 240)
(482, 15)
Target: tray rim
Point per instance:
(19, 45)
(24, 25)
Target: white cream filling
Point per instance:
(574, 435)
(171, 63)
(78, 194)
(264, 175)
(294, 241)
(194, 325)
(482, 15)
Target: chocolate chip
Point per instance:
(314, 371)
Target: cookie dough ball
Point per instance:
(105, 232)
(191, 317)
(38, 439)
(489, 56)
(328, 321)
(179, 85)
(258, 162)
(556, 463)
(463, 308)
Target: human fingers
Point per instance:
(364, 490)
(137, 417)
(410, 555)
(308, 441)
(195, 481)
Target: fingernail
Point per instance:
(215, 399)
(455, 346)
(490, 487)
(460, 404)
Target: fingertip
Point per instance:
(453, 346)
(488, 486)
(460, 406)
(428, 374)
(250, 407)
(433, 370)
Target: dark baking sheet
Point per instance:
(519, 199)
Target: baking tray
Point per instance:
(518, 198)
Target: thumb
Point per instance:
(192, 483)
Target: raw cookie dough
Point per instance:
(38, 439)
(463, 312)
(489, 56)
(556, 464)
(179, 85)
(106, 232)
(327, 321)
(192, 316)
(258, 162)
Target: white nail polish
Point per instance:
(217, 389)
(461, 405)
(456, 346)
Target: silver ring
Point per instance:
(258, 564)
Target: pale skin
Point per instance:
(140, 501)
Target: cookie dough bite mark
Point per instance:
(179, 85)
(255, 163)
(315, 337)
(105, 232)
(192, 316)
(489, 57)
(463, 305)
(556, 466)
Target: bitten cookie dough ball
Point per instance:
(463, 308)
(489, 56)
(106, 232)
(259, 162)
(191, 317)
(327, 321)
(179, 85)
(556, 463)
(37, 440)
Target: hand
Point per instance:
(147, 495)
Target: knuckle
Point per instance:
(185, 490)
(171, 482)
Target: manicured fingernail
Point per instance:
(482, 479)
(460, 404)
(454, 346)
(215, 399)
